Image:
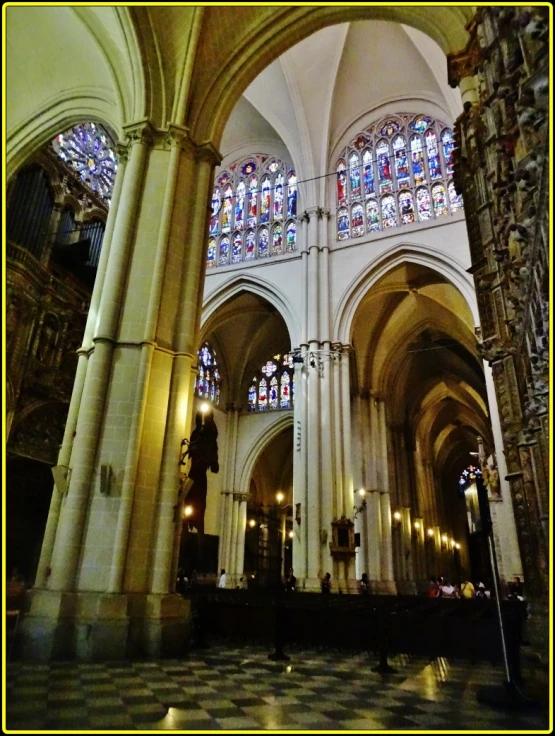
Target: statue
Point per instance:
(202, 448)
(490, 472)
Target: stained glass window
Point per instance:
(292, 195)
(418, 166)
(211, 253)
(291, 236)
(263, 243)
(342, 224)
(384, 167)
(372, 216)
(265, 200)
(389, 211)
(285, 399)
(215, 218)
(209, 378)
(262, 394)
(224, 250)
(226, 210)
(341, 183)
(250, 245)
(354, 175)
(357, 221)
(277, 240)
(434, 164)
(253, 396)
(88, 149)
(448, 146)
(423, 204)
(273, 388)
(253, 199)
(368, 164)
(420, 123)
(411, 154)
(439, 200)
(406, 208)
(240, 204)
(455, 200)
(278, 197)
(389, 127)
(237, 250)
(401, 164)
(274, 394)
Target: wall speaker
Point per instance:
(105, 475)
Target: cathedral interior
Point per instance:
(276, 300)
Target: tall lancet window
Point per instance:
(209, 377)
(396, 172)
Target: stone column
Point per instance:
(67, 547)
(313, 511)
(43, 570)
(241, 529)
(385, 507)
(300, 545)
(179, 409)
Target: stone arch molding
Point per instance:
(256, 285)
(422, 255)
(58, 114)
(282, 421)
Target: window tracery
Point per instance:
(254, 210)
(209, 378)
(396, 172)
(89, 150)
(273, 387)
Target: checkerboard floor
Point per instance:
(241, 689)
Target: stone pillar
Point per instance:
(116, 545)
(241, 529)
(67, 547)
(300, 545)
(43, 570)
(388, 579)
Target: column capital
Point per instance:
(208, 152)
(141, 131)
(240, 496)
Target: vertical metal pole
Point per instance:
(493, 559)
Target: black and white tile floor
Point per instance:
(241, 689)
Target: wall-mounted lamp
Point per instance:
(457, 545)
(252, 523)
(397, 518)
(444, 539)
(453, 544)
(416, 530)
(279, 497)
(430, 535)
(360, 509)
(291, 535)
(187, 511)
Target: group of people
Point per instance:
(185, 581)
(440, 588)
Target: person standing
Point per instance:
(467, 589)
(290, 582)
(326, 583)
(223, 579)
(364, 585)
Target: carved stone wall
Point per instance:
(502, 169)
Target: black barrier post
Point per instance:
(198, 626)
(510, 697)
(278, 655)
(383, 665)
